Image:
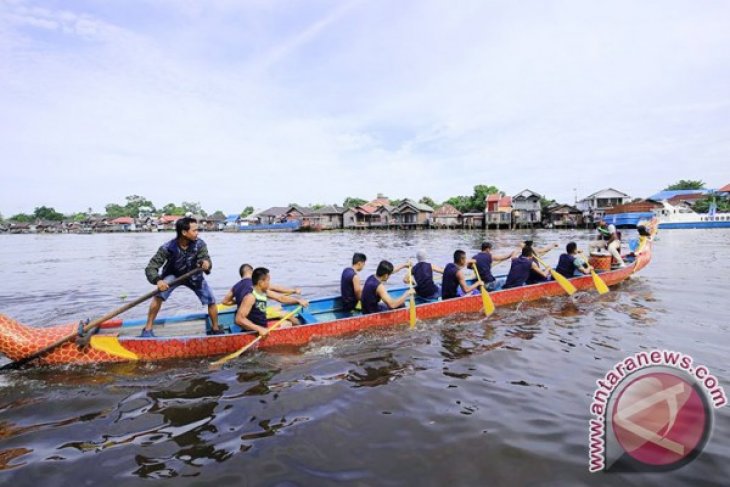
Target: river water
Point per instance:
(458, 401)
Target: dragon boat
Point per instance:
(184, 336)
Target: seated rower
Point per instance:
(454, 277)
(423, 277)
(536, 277)
(350, 285)
(251, 313)
(539, 251)
(570, 262)
(519, 271)
(243, 287)
(604, 234)
(614, 245)
(484, 261)
(374, 290)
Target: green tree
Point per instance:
(703, 205)
(193, 207)
(351, 202)
(134, 203)
(173, 209)
(544, 202)
(426, 200)
(22, 218)
(479, 197)
(316, 206)
(461, 203)
(79, 217)
(114, 210)
(218, 215)
(47, 213)
(686, 184)
(247, 211)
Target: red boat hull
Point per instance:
(18, 340)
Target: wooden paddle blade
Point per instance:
(412, 312)
(564, 283)
(487, 302)
(238, 353)
(601, 286)
(233, 355)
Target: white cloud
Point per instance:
(270, 103)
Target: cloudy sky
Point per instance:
(266, 102)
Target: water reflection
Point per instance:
(377, 371)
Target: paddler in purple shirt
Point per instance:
(245, 285)
(454, 277)
(423, 277)
(251, 314)
(484, 261)
(350, 286)
(278, 293)
(374, 291)
(521, 267)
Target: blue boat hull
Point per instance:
(628, 220)
(687, 225)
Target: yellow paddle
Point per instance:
(486, 299)
(564, 283)
(412, 305)
(239, 352)
(601, 286)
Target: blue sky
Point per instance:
(268, 102)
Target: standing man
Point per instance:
(179, 256)
(350, 285)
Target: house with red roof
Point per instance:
(123, 224)
(498, 211)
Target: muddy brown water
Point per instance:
(458, 401)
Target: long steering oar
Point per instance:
(601, 286)
(486, 298)
(95, 324)
(412, 305)
(564, 283)
(238, 352)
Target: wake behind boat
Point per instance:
(182, 336)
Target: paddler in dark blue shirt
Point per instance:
(484, 261)
(251, 314)
(536, 277)
(350, 286)
(570, 262)
(245, 286)
(454, 277)
(423, 277)
(373, 291)
(521, 267)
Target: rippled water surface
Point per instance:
(457, 401)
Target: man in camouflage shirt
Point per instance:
(177, 257)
